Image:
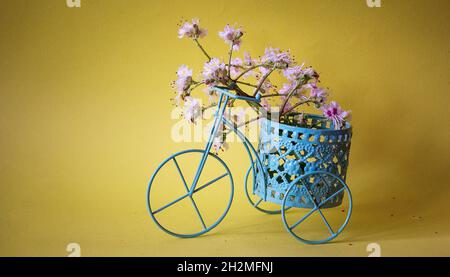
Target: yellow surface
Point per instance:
(85, 119)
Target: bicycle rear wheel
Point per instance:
(256, 201)
(325, 220)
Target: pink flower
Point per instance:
(298, 73)
(184, 80)
(320, 94)
(316, 93)
(232, 36)
(212, 94)
(214, 72)
(192, 109)
(273, 57)
(191, 30)
(310, 73)
(219, 143)
(236, 66)
(334, 112)
(293, 73)
(248, 60)
(264, 70)
(288, 87)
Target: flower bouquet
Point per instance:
(250, 77)
(292, 143)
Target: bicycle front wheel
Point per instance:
(184, 212)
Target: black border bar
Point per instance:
(245, 265)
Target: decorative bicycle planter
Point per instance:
(297, 165)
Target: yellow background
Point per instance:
(85, 119)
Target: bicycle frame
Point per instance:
(218, 118)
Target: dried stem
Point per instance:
(246, 71)
(289, 96)
(271, 95)
(247, 84)
(262, 81)
(229, 60)
(201, 48)
(297, 105)
(196, 84)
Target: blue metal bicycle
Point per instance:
(294, 168)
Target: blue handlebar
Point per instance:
(256, 99)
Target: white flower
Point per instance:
(214, 72)
(310, 73)
(184, 71)
(232, 36)
(192, 30)
(184, 80)
(219, 143)
(192, 109)
(274, 57)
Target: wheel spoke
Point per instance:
(331, 197)
(181, 174)
(189, 194)
(257, 203)
(320, 212)
(303, 218)
(171, 203)
(198, 212)
(326, 222)
(210, 182)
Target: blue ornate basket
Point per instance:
(290, 149)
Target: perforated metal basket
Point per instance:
(291, 149)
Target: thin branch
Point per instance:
(289, 96)
(235, 65)
(297, 105)
(271, 95)
(254, 105)
(248, 122)
(247, 84)
(209, 107)
(262, 81)
(229, 60)
(246, 71)
(196, 84)
(203, 50)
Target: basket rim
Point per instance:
(347, 130)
